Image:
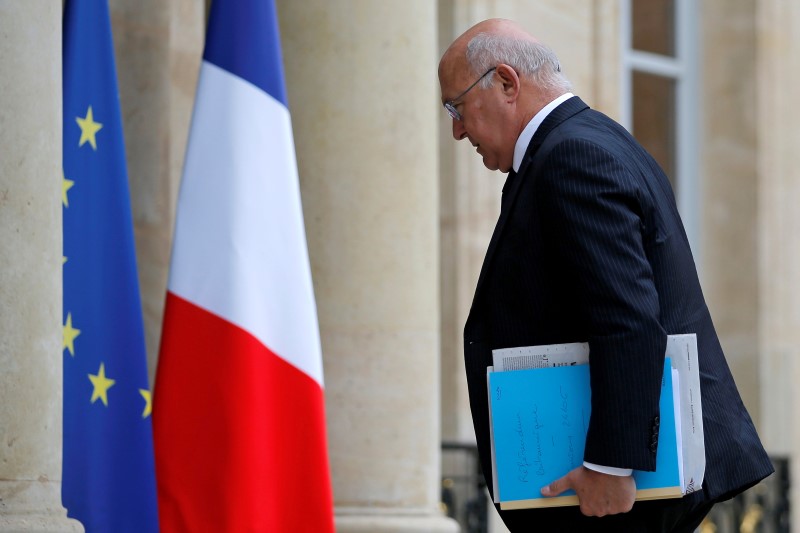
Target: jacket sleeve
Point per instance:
(592, 213)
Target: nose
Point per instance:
(459, 132)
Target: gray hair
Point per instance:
(529, 58)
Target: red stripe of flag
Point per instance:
(238, 432)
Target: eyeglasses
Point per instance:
(449, 106)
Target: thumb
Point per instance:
(557, 487)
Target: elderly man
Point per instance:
(589, 247)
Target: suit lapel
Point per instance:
(514, 181)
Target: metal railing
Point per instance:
(762, 509)
(464, 496)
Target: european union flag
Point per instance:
(108, 476)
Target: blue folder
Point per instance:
(539, 422)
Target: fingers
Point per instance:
(557, 487)
(598, 494)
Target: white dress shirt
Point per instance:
(527, 134)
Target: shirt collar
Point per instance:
(527, 134)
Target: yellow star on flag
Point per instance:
(69, 335)
(65, 186)
(148, 402)
(101, 385)
(88, 129)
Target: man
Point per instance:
(589, 247)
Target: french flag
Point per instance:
(238, 414)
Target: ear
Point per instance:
(510, 80)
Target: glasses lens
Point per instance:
(452, 111)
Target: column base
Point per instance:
(34, 507)
(371, 520)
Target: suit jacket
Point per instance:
(589, 246)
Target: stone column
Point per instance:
(729, 169)
(778, 74)
(30, 268)
(362, 92)
(469, 206)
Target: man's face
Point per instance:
(483, 116)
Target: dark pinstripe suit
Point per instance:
(589, 247)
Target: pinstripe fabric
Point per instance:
(589, 246)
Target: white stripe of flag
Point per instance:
(239, 239)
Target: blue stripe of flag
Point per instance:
(243, 39)
(108, 478)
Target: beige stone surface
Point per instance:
(393, 523)
(730, 187)
(779, 219)
(30, 268)
(778, 116)
(159, 46)
(568, 28)
(363, 102)
(605, 76)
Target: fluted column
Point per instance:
(778, 74)
(30, 267)
(362, 92)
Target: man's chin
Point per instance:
(490, 164)
(493, 165)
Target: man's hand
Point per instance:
(599, 494)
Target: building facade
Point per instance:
(398, 216)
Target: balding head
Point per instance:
(515, 76)
(500, 41)
(456, 54)
(508, 28)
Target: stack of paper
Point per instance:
(540, 403)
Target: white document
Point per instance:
(576, 353)
(495, 490)
(676, 398)
(681, 349)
